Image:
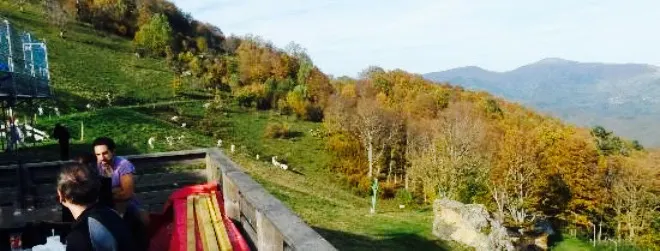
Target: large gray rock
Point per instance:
(469, 224)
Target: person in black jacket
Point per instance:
(96, 226)
(105, 193)
(62, 135)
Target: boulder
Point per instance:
(469, 224)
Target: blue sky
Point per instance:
(343, 37)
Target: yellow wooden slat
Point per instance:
(200, 224)
(191, 244)
(222, 232)
(208, 231)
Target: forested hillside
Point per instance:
(620, 97)
(419, 139)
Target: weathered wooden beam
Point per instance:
(191, 241)
(276, 225)
(268, 236)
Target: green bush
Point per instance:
(404, 197)
(277, 130)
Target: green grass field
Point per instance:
(309, 188)
(88, 63)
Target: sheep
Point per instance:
(109, 98)
(151, 142)
(183, 125)
(274, 161)
(206, 105)
(180, 138)
(233, 148)
(284, 166)
(257, 156)
(89, 106)
(402, 206)
(219, 144)
(174, 118)
(57, 111)
(40, 110)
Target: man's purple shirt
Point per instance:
(120, 166)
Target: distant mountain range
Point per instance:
(624, 98)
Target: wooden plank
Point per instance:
(272, 213)
(169, 178)
(216, 210)
(268, 236)
(231, 198)
(206, 228)
(248, 211)
(212, 169)
(191, 241)
(154, 197)
(220, 232)
(200, 224)
(249, 230)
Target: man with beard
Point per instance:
(121, 172)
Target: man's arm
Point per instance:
(126, 188)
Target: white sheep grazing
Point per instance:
(402, 206)
(170, 140)
(151, 142)
(233, 148)
(274, 161)
(257, 156)
(89, 106)
(206, 105)
(284, 166)
(183, 125)
(174, 118)
(219, 144)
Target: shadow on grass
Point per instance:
(396, 241)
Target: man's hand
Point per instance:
(107, 170)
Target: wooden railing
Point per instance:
(266, 223)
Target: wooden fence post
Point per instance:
(231, 197)
(268, 237)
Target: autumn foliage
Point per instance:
(435, 140)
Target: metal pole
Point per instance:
(46, 60)
(11, 53)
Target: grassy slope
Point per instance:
(313, 191)
(88, 63)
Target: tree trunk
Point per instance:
(370, 158)
(405, 176)
(594, 242)
(389, 171)
(600, 230)
(618, 230)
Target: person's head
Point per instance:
(104, 149)
(85, 158)
(89, 160)
(77, 186)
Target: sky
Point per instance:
(344, 37)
